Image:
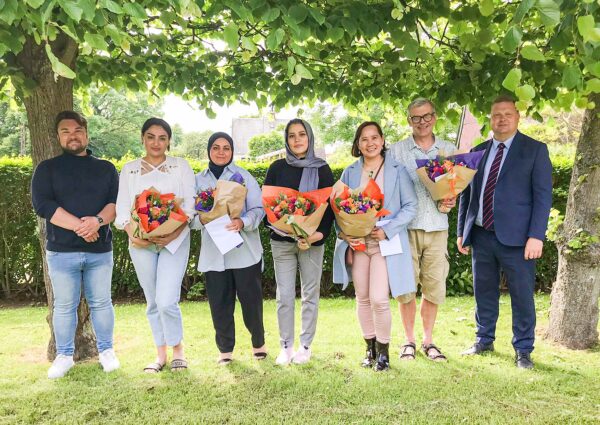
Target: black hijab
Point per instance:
(217, 170)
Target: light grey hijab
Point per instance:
(310, 164)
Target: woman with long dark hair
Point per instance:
(160, 262)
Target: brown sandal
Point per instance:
(154, 368)
(178, 365)
(405, 353)
(432, 352)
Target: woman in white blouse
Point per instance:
(161, 262)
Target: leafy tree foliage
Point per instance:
(335, 124)
(266, 143)
(114, 123)
(557, 127)
(283, 52)
(116, 120)
(14, 134)
(192, 145)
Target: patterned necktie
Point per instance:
(488, 193)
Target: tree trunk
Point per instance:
(49, 96)
(22, 140)
(574, 308)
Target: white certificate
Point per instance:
(224, 239)
(174, 245)
(389, 246)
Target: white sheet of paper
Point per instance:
(389, 247)
(174, 245)
(225, 239)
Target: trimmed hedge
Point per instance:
(21, 272)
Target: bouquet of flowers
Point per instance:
(205, 200)
(293, 213)
(356, 211)
(156, 214)
(446, 177)
(294, 205)
(228, 197)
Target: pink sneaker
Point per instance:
(302, 355)
(285, 356)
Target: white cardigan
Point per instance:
(174, 175)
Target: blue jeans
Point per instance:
(160, 275)
(68, 271)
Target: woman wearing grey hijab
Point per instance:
(299, 170)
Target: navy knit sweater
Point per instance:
(81, 185)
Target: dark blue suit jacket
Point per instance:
(522, 198)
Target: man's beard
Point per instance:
(74, 151)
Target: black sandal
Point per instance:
(260, 355)
(178, 365)
(405, 354)
(436, 356)
(154, 368)
(224, 362)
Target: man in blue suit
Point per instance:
(503, 215)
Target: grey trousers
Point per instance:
(287, 257)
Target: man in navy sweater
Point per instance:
(503, 215)
(76, 194)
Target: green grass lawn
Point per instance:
(332, 388)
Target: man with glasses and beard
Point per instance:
(427, 232)
(76, 193)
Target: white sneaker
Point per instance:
(109, 360)
(285, 356)
(60, 366)
(302, 355)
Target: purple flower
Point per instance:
(435, 174)
(237, 177)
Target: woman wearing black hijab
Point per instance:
(238, 272)
(299, 170)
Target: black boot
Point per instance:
(383, 358)
(371, 354)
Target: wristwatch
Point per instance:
(100, 219)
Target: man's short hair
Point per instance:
(420, 101)
(70, 115)
(504, 98)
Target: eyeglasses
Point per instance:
(416, 119)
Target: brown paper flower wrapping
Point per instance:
(308, 223)
(230, 198)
